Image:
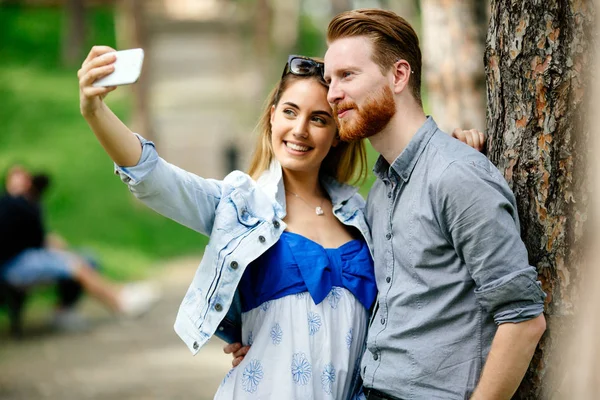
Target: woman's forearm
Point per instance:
(122, 146)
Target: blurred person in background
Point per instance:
(30, 256)
(290, 237)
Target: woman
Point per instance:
(290, 237)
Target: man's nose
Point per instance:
(334, 94)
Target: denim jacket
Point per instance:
(242, 217)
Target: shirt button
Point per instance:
(375, 356)
(388, 236)
(262, 239)
(196, 345)
(234, 265)
(382, 321)
(221, 329)
(388, 279)
(389, 195)
(276, 224)
(218, 307)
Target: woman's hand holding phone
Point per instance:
(98, 64)
(118, 141)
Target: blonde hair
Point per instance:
(346, 162)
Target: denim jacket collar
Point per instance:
(271, 182)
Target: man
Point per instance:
(459, 312)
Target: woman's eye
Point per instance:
(320, 120)
(289, 112)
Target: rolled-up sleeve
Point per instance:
(133, 175)
(171, 191)
(479, 215)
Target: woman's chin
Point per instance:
(296, 166)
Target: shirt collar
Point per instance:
(271, 182)
(404, 164)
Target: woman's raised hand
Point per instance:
(97, 65)
(118, 141)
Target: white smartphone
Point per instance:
(128, 67)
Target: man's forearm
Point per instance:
(510, 355)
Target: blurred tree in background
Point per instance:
(453, 40)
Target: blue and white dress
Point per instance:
(305, 313)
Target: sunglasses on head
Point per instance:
(303, 66)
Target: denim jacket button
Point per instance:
(196, 346)
(262, 239)
(234, 265)
(388, 236)
(276, 224)
(375, 356)
(388, 279)
(218, 307)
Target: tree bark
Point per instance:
(537, 58)
(453, 45)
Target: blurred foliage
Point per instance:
(43, 129)
(311, 40)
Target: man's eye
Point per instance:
(346, 74)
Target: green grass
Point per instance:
(42, 128)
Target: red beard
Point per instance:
(370, 119)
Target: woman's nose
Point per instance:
(300, 129)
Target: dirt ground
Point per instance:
(125, 360)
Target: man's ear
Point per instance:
(401, 75)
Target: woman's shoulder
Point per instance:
(239, 180)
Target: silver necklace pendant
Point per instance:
(318, 209)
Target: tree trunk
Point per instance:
(453, 43)
(131, 33)
(537, 58)
(73, 33)
(285, 25)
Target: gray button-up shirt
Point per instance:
(450, 266)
